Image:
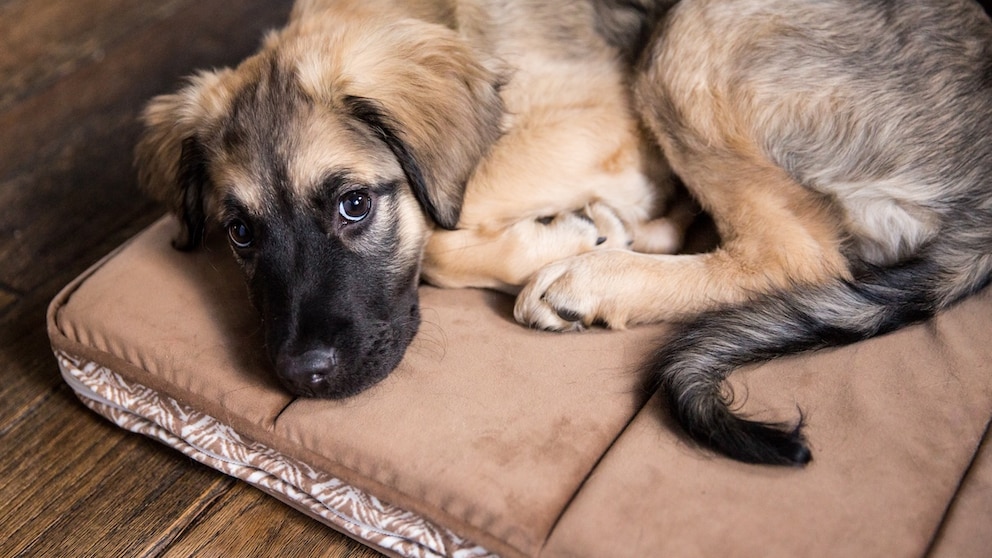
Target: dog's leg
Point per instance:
(505, 258)
(775, 234)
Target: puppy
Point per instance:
(370, 142)
(844, 150)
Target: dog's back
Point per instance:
(889, 114)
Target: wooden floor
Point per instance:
(73, 76)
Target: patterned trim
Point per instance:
(201, 437)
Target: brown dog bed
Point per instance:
(494, 439)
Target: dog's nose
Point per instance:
(306, 373)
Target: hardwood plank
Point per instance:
(7, 299)
(247, 522)
(72, 143)
(74, 484)
(28, 371)
(62, 236)
(151, 60)
(34, 52)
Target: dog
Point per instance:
(844, 151)
(841, 147)
(372, 143)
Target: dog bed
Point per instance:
(492, 439)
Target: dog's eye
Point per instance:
(355, 205)
(239, 233)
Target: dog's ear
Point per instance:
(440, 198)
(425, 91)
(192, 180)
(170, 158)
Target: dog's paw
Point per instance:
(597, 224)
(570, 295)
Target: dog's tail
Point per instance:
(692, 367)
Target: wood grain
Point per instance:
(83, 31)
(7, 299)
(93, 489)
(249, 523)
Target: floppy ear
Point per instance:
(424, 90)
(171, 161)
(442, 201)
(192, 180)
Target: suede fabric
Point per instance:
(967, 528)
(540, 444)
(894, 422)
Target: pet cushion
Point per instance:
(491, 438)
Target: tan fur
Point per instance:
(774, 235)
(844, 150)
(435, 87)
(572, 142)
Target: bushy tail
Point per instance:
(692, 367)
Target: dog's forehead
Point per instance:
(332, 144)
(277, 141)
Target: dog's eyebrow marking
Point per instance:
(241, 186)
(337, 182)
(231, 207)
(324, 196)
(334, 182)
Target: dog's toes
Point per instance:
(612, 231)
(544, 303)
(542, 316)
(551, 321)
(568, 315)
(594, 227)
(575, 293)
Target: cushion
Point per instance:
(492, 439)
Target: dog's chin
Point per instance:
(343, 373)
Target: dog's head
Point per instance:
(327, 158)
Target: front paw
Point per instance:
(570, 295)
(597, 225)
